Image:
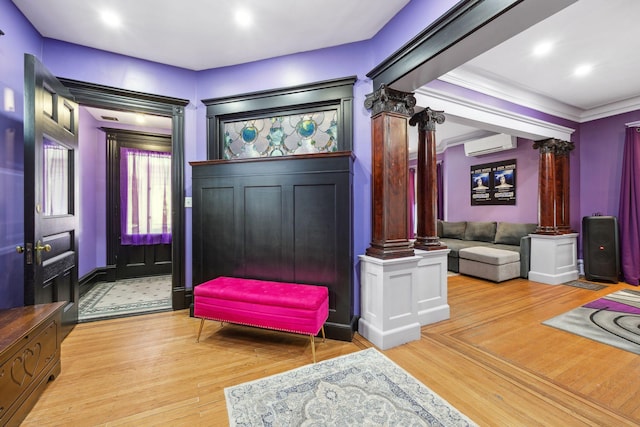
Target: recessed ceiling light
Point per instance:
(243, 18)
(583, 70)
(543, 48)
(110, 18)
(140, 118)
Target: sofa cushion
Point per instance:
(489, 255)
(453, 230)
(454, 245)
(509, 233)
(480, 231)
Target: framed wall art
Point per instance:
(493, 183)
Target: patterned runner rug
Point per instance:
(125, 298)
(613, 320)
(585, 285)
(360, 389)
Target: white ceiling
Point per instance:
(196, 35)
(203, 34)
(604, 34)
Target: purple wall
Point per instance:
(601, 148)
(19, 38)
(92, 196)
(457, 185)
(110, 69)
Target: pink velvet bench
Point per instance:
(288, 307)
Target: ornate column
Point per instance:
(427, 197)
(546, 187)
(553, 245)
(390, 110)
(563, 219)
(553, 186)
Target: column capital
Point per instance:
(553, 145)
(387, 100)
(427, 119)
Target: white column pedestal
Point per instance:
(431, 289)
(397, 296)
(388, 314)
(554, 258)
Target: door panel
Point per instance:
(51, 144)
(128, 261)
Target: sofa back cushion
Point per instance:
(480, 231)
(509, 233)
(453, 230)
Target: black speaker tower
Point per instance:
(600, 248)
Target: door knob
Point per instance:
(39, 248)
(19, 249)
(45, 248)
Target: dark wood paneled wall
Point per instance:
(286, 219)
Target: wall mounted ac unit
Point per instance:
(490, 144)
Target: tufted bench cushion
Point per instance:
(489, 263)
(289, 307)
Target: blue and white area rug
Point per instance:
(125, 298)
(360, 389)
(613, 319)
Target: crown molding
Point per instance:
(491, 118)
(620, 107)
(478, 81)
(482, 82)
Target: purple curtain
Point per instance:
(145, 197)
(629, 212)
(411, 202)
(440, 213)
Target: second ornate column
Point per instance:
(427, 197)
(563, 219)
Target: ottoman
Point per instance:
(288, 307)
(489, 263)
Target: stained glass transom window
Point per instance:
(295, 134)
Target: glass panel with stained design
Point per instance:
(56, 182)
(295, 134)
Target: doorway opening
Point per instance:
(137, 151)
(113, 102)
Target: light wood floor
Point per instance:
(493, 360)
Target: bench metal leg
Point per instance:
(313, 347)
(313, 343)
(200, 330)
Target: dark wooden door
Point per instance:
(51, 188)
(129, 261)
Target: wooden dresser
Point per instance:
(29, 357)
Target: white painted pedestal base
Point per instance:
(431, 290)
(554, 258)
(399, 295)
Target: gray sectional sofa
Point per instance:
(501, 235)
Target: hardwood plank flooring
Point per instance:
(493, 360)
